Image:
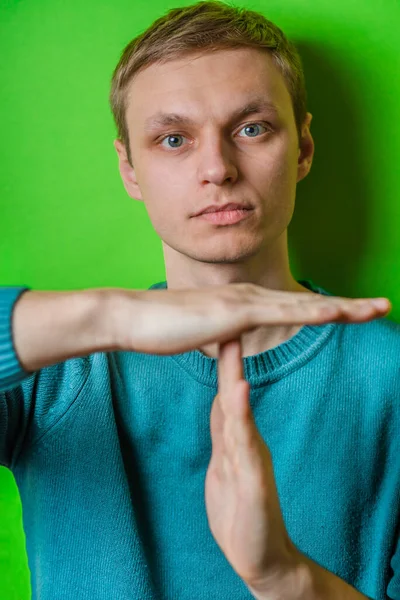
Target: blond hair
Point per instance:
(210, 25)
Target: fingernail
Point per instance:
(381, 303)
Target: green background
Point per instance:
(67, 222)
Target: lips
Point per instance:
(227, 207)
(224, 209)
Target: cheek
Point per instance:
(278, 189)
(285, 168)
(164, 208)
(164, 186)
(277, 179)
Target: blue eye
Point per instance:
(173, 135)
(252, 126)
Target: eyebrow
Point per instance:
(253, 106)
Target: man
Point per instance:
(255, 160)
(111, 449)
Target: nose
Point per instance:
(217, 164)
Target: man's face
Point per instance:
(180, 169)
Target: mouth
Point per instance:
(226, 217)
(232, 206)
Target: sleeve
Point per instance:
(393, 589)
(11, 371)
(31, 403)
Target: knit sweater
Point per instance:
(110, 452)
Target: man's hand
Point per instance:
(241, 497)
(175, 321)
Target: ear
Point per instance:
(306, 150)
(127, 172)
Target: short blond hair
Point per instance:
(212, 26)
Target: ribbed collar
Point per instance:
(268, 366)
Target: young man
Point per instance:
(108, 434)
(223, 157)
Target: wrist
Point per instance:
(292, 583)
(115, 318)
(103, 326)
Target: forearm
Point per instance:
(49, 327)
(324, 585)
(308, 581)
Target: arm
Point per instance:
(308, 581)
(43, 329)
(50, 327)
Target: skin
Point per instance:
(211, 162)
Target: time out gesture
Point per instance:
(241, 497)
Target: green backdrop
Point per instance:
(67, 222)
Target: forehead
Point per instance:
(207, 84)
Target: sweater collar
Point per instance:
(268, 366)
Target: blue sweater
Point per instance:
(110, 453)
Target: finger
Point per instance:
(351, 310)
(216, 427)
(314, 310)
(230, 368)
